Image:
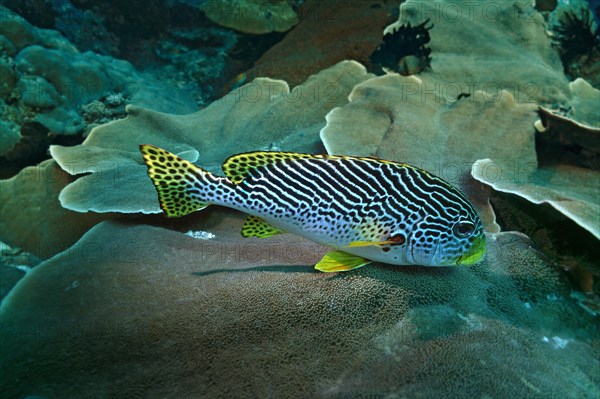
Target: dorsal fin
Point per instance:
(238, 167)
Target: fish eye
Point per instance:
(463, 229)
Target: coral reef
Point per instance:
(196, 60)
(103, 297)
(84, 28)
(263, 114)
(572, 190)
(568, 176)
(33, 219)
(108, 167)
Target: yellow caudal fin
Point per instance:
(182, 186)
(338, 261)
(256, 227)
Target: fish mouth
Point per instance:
(476, 253)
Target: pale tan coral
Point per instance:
(112, 171)
(252, 16)
(574, 191)
(490, 46)
(31, 217)
(585, 103)
(443, 119)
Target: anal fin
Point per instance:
(256, 227)
(339, 261)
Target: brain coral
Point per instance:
(222, 317)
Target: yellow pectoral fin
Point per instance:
(354, 244)
(338, 261)
(256, 227)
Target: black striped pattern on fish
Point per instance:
(351, 189)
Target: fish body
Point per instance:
(367, 209)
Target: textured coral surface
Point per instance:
(158, 313)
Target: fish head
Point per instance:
(458, 241)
